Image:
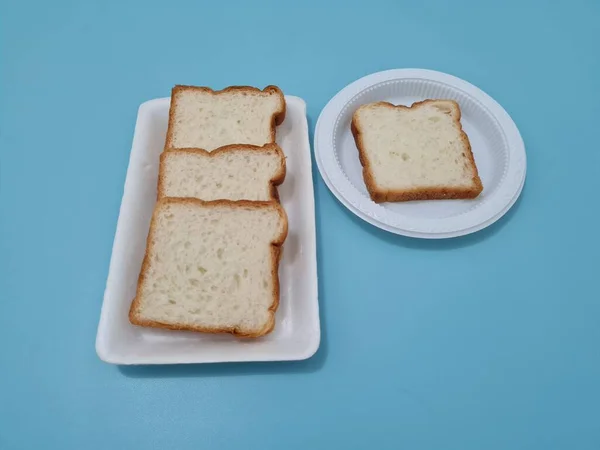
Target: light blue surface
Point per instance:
(486, 342)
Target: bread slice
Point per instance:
(211, 267)
(415, 153)
(202, 118)
(233, 172)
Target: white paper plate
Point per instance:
(495, 140)
(297, 329)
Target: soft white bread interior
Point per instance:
(202, 118)
(234, 172)
(415, 153)
(211, 267)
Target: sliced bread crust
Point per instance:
(228, 150)
(136, 316)
(277, 117)
(380, 195)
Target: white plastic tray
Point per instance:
(297, 330)
(495, 140)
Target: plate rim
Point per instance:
(325, 128)
(104, 349)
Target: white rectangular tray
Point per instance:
(297, 330)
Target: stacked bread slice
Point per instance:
(213, 248)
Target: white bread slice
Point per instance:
(211, 267)
(202, 118)
(415, 153)
(233, 172)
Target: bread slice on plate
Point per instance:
(202, 118)
(233, 172)
(211, 267)
(415, 153)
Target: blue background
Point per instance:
(485, 342)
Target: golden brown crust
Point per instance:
(233, 148)
(277, 118)
(424, 193)
(275, 251)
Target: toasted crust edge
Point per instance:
(233, 148)
(425, 193)
(275, 254)
(276, 119)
